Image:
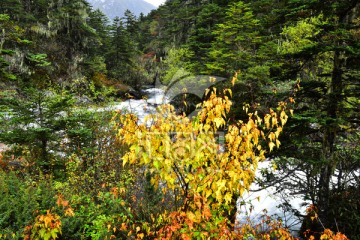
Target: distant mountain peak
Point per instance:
(116, 8)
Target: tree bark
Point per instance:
(330, 133)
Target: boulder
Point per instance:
(126, 91)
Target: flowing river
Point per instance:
(141, 107)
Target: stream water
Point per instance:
(153, 97)
(277, 201)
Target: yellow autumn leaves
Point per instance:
(186, 155)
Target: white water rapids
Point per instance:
(141, 107)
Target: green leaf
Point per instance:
(42, 232)
(156, 164)
(54, 233)
(47, 236)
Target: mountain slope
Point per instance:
(114, 8)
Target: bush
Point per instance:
(22, 199)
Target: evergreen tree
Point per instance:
(98, 45)
(121, 57)
(201, 36)
(8, 38)
(130, 23)
(35, 121)
(12, 8)
(118, 56)
(321, 44)
(236, 40)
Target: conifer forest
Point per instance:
(256, 96)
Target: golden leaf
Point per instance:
(267, 120)
(272, 136)
(208, 193)
(271, 146)
(191, 216)
(69, 212)
(228, 197)
(233, 80)
(277, 143)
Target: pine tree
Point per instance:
(98, 45)
(35, 121)
(236, 40)
(201, 36)
(12, 8)
(320, 42)
(8, 38)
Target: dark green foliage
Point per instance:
(35, 119)
(344, 210)
(201, 36)
(235, 43)
(119, 56)
(317, 43)
(12, 8)
(21, 200)
(10, 35)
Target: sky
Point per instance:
(155, 2)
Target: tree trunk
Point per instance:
(330, 133)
